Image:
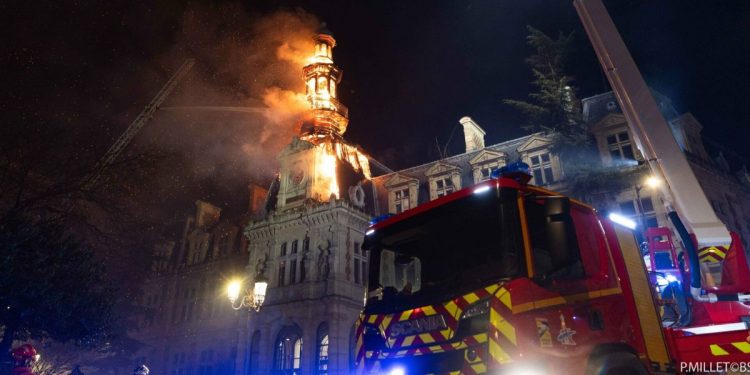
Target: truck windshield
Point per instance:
(451, 249)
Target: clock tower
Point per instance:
(318, 160)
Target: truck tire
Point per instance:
(617, 363)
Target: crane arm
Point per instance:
(651, 133)
(124, 140)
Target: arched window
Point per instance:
(254, 353)
(322, 357)
(288, 351)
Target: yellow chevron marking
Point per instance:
(386, 322)
(491, 289)
(447, 333)
(405, 315)
(718, 350)
(479, 368)
(503, 326)
(471, 298)
(401, 353)
(742, 346)
(498, 353)
(482, 337)
(504, 297)
(408, 340)
(426, 338)
(429, 310)
(452, 309)
(455, 373)
(372, 319)
(709, 259)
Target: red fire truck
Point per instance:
(505, 277)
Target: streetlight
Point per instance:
(252, 299)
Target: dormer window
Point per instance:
(619, 146)
(444, 186)
(541, 169)
(443, 179)
(402, 193)
(485, 162)
(401, 200)
(545, 166)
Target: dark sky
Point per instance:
(411, 70)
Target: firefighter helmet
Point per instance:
(25, 352)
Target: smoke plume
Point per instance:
(239, 106)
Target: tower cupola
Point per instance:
(327, 117)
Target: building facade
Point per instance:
(308, 246)
(186, 325)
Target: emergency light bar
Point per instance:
(380, 218)
(518, 171)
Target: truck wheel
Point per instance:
(617, 363)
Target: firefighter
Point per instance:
(23, 357)
(141, 370)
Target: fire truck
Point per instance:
(505, 277)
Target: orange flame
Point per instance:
(325, 185)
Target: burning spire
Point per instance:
(327, 117)
(311, 167)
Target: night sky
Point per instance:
(411, 70)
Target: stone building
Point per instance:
(187, 326)
(308, 246)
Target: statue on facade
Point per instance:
(260, 267)
(324, 266)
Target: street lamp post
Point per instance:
(251, 299)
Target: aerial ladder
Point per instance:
(559, 289)
(95, 177)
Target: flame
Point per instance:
(325, 173)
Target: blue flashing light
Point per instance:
(380, 218)
(517, 171)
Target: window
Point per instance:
(402, 200)
(288, 354)
(485, 173)
(444, 186)
(254, 353)
(294, 247)
(283, 249)
(541, 169)
(553, 238)
(293, 272)
(644, 215)
(360, 265)
(322, 360)
(619, 147)
(282, 272)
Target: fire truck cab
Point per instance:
(505, 276)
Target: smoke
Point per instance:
(240, 105)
